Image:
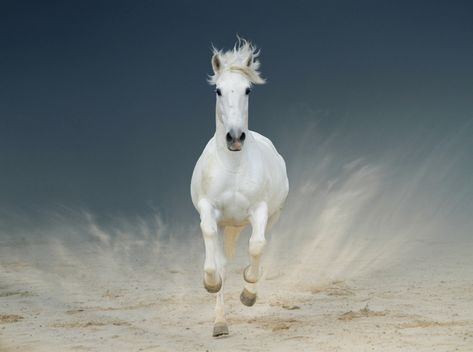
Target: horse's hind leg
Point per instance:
(220, 325)
(273, 219)
(208, 225)
(258, 220)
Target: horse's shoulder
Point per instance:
(208, 157)
(264, 140)
(209, 149)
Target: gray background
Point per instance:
(104, 105)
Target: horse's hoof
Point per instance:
(213, 288)
(245, 276)
(247, 298)
(220, 329)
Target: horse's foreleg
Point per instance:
(258, 220)
(220, 325)
(208, 225)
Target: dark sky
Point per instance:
(105, 105)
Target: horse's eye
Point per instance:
(247, 91)
(218, 91)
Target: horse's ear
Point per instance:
(249, 61)
(216, 63)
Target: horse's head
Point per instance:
(234, 73)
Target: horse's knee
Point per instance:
(209, 229)
(208, 223)
(257, 246)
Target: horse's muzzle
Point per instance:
(235, 141)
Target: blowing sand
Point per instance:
(135, 296)
(363, 259)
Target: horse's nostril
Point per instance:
(229, 137)
(243, 136)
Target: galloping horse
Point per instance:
(239, 179)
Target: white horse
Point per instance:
(239, 179)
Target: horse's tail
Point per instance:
(230, 237)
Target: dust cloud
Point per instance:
(369, 251)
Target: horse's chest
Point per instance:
(233, 206)
(235, 194)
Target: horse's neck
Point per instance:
(231, 160)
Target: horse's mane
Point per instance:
(242, 58)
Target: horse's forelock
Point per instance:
(236, 60)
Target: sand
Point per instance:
(147, 296)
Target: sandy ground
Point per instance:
(369, 255)
(147, 296)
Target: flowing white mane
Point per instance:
(242, 58)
